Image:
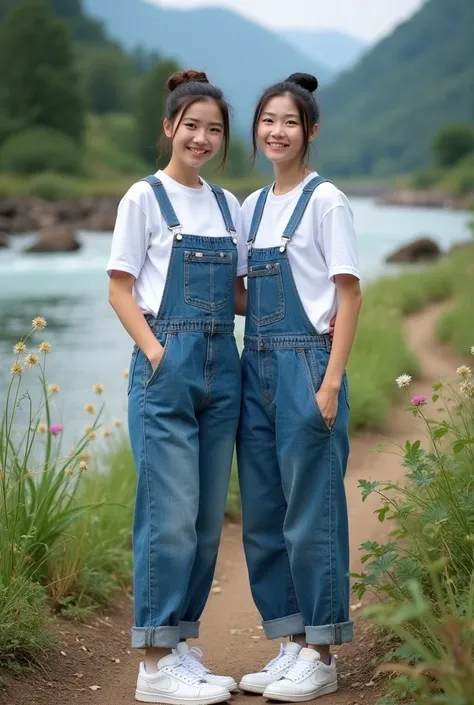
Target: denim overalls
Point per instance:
(182, 420)
(291, 465)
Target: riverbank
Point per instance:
(92, 662)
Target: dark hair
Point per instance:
(189, 87)
(300, 86)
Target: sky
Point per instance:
(367, 19)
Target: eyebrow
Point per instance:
(190, 117)
(293, 115)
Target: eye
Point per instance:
(292, 122)
(267, 119)
(190, 124)
(216, 129)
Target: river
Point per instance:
(89, 345)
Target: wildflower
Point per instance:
(19, 347)
(42, 428)
(464, 371)
(69, 470)
(117, 423)
(88, 429)
(45, 347)
(472, 350)
(403, 381)
(92, 436)
(53, 388)
(418, 400)
(16, 369)
(39, 323)
(55, 429)
(83, 466)
(31, 360)
(467, 389)
(107, 433)
(126, 373)
(86, 455)
(89, 409)
(98, 388)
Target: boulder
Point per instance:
(420, 250)
(3, 240)
(56, 238)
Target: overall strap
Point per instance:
(257, 215)
(167, 210)
(300, 209)
(224, 208)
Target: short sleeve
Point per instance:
(338, 242)
(130, 239)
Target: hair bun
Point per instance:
(305, 80)
(179, 77)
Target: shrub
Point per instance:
(424, 575)
(53, 187)
(40, 149)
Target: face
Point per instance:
(199, 135)
(280, 131)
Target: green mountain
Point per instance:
(239, 55)
(337, 51)
(380, 117)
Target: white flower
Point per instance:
(464, 371)
(403, 381)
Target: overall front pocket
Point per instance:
(266, 295)
(208, 279)
(150, 375)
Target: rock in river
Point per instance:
(420, 250)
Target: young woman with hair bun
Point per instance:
(292, 443)
(176, 265)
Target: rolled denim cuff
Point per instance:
(189, 630)
(330, 633)
(284, 626)
(149, 637)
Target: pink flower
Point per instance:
(55, 429)
(419, 400)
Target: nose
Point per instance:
(277, 130)
(200, 137)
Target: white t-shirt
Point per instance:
(323, 245)
(142, 242)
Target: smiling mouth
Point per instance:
(198, 152)
(277, 145)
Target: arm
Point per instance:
(131, 317)
(350, 300)
(240, 297)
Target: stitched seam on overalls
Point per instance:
(330, 534)
(147, 485)
(207, 380)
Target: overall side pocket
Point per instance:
(150, 375)
(131, 369)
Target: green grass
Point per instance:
(380, 352)
(456, 326)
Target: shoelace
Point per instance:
(191, 660)
(184, 674)
(283, 659)
(299, 670)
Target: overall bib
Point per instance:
(291, 465)
(182, 420)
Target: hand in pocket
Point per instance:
(327, 402)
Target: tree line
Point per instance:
(57, 67)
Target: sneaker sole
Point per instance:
(326, 690)
(248, 688)
(168, 700)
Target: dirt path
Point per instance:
(233, 641)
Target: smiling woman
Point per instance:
(178, 255)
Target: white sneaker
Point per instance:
(191, 660)
(175, 685)
(273, 671)
(307, 679)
